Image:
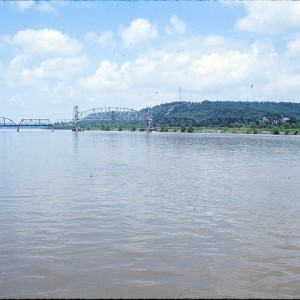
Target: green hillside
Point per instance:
(226, 113)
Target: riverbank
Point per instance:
(247, 130)
(276, 130)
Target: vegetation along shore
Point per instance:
(217, 117)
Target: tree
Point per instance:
(182, 128)
(163, 128)
(120, 127)
(276, 131)
(190, 129)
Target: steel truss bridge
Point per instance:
(5, 122)
(112, 114)
(91, 115)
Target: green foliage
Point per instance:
(226, 113)
(220, 116)
(120, 127)
(190, 129)
(182, 128)
(163, 128)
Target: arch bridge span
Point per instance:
(112, 114)
(7, 122)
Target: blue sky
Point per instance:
(135, 54)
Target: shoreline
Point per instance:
(220, 130)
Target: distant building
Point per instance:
(285, 119)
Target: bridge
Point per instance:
(5, 122)
(91, 115)
(112, 114)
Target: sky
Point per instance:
(135, 54)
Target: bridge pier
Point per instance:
(77, 129)
(149, 120)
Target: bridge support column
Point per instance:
(18, 128)
(149, 120)
(76, 127)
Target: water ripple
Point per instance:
(123, 214)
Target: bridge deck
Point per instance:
(5, 122)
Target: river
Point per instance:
(156, 215)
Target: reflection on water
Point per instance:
(131, 214)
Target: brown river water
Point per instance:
(158, 215)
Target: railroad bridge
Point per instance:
(6, 122)
(112, 114)
(91, 115)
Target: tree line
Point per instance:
(226, 113)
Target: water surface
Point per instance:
(164, 215)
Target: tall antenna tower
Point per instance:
(180, 93)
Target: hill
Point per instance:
(226, 113)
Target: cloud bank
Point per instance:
(50, 66)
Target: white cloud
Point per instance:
(45, 42)
(288, 82)
(16, 101)
(56, 68)
(105, 39)
(23, 5)
(270, 17)
(44, 6)
(42, 56)
(224, 73)
(294, 47)
(195, 70)
(176, 26)
(62, 89)
(140, 30)
(107, 76)
(90, 36)
(227, 69)
(206, 67)
(18, 60)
